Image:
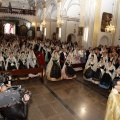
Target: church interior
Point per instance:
(66, 53)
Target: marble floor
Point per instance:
(65, 100)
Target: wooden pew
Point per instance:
(79, 65)
(20, 72)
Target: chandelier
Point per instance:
(110, 28)
(43, 23)
(59, 23)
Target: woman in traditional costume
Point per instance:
(22, 61)
(6, 54)
(92, 53)
(76, 59)
(41, 59)
(31, 59)
(47, 55)
(113, 104)
(99, 72)
(105, 57)
(90, 68)
(108, 76)
(11, 63)
(2, 62)
(53, 70)
(67, 70)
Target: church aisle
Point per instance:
(64, 100)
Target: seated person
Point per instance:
(99, 72)
(108, 76)
(31, 60)
(22, 61)
(90, 67)
(11, 63)
(2, 62)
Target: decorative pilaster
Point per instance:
(83, 4)
(59, 19)
(97, 22)
(44, 19)
(115, 17)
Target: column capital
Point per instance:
(59, 1)
(44, 4)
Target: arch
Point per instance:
(23, 30)
(71, 38)
(41, 14)
(74, 13)
(38, 12)
(49, 8)
(104, 41)
(54, 36)
(54, 15)
(67, 3)
(31, 33)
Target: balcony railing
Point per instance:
(17, 11)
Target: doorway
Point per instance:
(71, 38)
(104, 41)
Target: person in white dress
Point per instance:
(76, 59)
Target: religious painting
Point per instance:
(80, 31)
(106, 18)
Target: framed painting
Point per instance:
(106, 18)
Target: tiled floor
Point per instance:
(64, 100)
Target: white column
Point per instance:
(89, 23)
(44, 19)
(59, 19)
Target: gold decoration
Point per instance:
(96, 22)
(110, 28)
(59, 23)
(59, 1)
(43, 23)
(44, 4)
(113, 106)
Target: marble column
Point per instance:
(115, 16)
(44, 19)
(59, 19)
(97, 22)
(89, 23)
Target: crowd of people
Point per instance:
(15, 55)
(103, 66)
(102, 63)
(55, 56)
